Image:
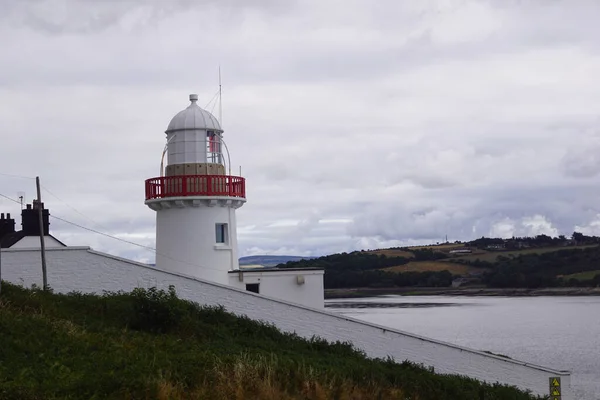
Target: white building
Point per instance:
(29, 235)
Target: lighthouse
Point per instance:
(195, 198)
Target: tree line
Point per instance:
(537, 270)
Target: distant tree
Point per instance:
(577, 236)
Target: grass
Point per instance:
(492, 256)
(439, 247)
(421, 266)
(149, 344)
(393, 253)
(582, 276)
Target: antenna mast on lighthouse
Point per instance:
(220, 102)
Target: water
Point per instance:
(556, 332)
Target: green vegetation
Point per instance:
(421, 266)
(149, 344)
(365, 269)
(543, 270)
(582, 276)
(519, 262)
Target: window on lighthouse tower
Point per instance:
(221, 233)
(213, 147)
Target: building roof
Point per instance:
(11, 239)
(193, 117)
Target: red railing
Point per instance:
(195, 185)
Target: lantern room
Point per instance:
(194, 136)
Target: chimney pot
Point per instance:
(31, 222)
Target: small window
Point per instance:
(252, 287)
(221, 233)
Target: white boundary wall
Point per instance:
(85, 270)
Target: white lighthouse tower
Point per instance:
(195, 199)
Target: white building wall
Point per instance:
(186, 241)
(89, 271)
(33, 242)
(307, 290)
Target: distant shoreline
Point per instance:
(415, 291)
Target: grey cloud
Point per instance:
(394, 48)
(582, 162)
(356, 126)
(94, 16)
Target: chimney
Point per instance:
(30, 220)
(7, 225)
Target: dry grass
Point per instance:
(393, 253)
(255, 378)
(422, 266)
(439, 247)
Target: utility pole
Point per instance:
(41, 222)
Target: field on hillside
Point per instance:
(422, 266)
(492, 256)
(439, 247)
(393, 253)
(582, 276)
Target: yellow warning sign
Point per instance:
(555, 390)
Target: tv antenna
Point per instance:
(21, 198)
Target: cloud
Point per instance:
(356, 125)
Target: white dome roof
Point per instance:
(193, 117)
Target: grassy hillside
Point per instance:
(492, 256)
(150, 345)
(582, 276)
(518, 262)
(422, 266)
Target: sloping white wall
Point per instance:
(85, 270)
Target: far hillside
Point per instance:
(269, 261)
(519, 262)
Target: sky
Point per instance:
(357, 124)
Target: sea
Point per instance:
(558, 332)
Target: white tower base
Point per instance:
(188, 240)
